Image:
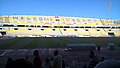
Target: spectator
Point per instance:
(47, 64)
(9, 60)
(51, 61)
(57, 60)
(93, 62)
(98, 48)
(91, 54)
(37, 60)
(85, 65)
(19, 63)
(109, 63)
(102, 59)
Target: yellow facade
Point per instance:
(67, 25)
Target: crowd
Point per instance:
(56, 61)
(102, 63)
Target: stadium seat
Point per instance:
(117, 34)
(64, 31)
(103, 32)
(22, 22)
(51, 31)
(94, 32)
(71, 31)
(82, 31)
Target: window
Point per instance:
(113, 27)
(73, 20)
(15, 17)
(55, 26)
(28, 18)
(15, 28)
(20, 25)
(27, 25)
(38, 26)
(64, 29)
(53, 29)
(86, 29)
(42, 29)
(29, 29)
(99, 27)
(31, 25)
(61, 26)
(111, 34)
(57, 20)
(8, 25)
(93, 27)
(0, 28)
(58, 26)
(44, 18)
(66, 26)
(45, 26)
(75, 29)
(76, 26)
(98, 30)
(40, 19)
(3, 33)
(107, 27)
(22, 18)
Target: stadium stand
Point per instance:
(94, 32)
(71, 31)
(59, 25)
(83, 32)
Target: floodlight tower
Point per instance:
(108, 8)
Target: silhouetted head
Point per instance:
(55, 52)
(102, 58)
(9, 60)
(36, 53)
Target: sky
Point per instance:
(74, 8)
